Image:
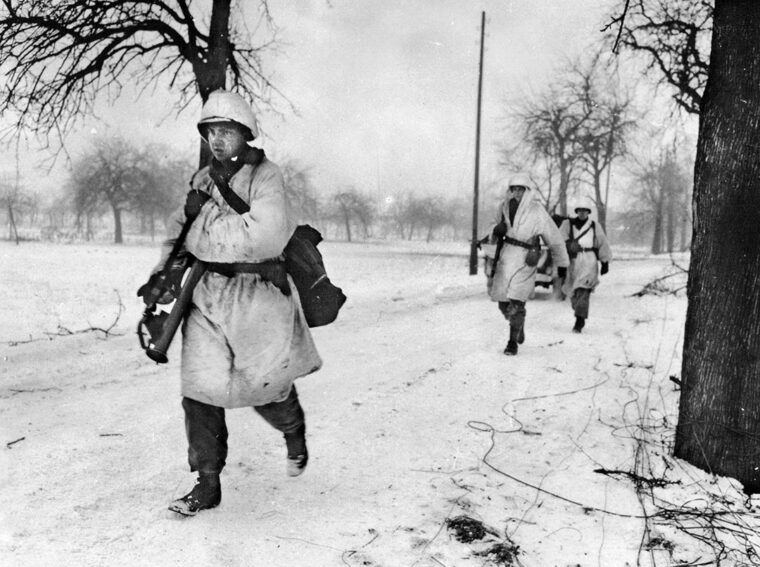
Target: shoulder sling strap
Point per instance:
(252, 157)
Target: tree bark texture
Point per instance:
(719, 417)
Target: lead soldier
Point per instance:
(245, 339)
(521, 221)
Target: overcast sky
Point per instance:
(386, 89)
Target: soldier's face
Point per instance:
(226, 141)
(582, 214)
(517, 192)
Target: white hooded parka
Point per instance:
(584, 270)
(244, 342)
(514, 279)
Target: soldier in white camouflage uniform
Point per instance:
(245, 339)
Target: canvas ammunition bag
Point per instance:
(320, 299)
(573, 246)
(534, 249)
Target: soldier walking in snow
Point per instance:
(586, 245)
(245, 339)
(520, 221)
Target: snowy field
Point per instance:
(428, 446)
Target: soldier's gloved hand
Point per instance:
(500, 230)
(605, 268)
(193, 203)
(156, 290)
(561, 272)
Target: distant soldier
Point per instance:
(586, 245)
(245, 339)
(521, 221)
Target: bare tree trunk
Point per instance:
(670, 192)
(719, 417)
(670, 226)
(658, 222)
(13, 230)
(347, 224)
(211, 69)
(564, 183)
(118, 237)
(601, 205)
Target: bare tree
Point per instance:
(60, 55)
(658, 200)
(579, 122)
(603, 137)
(431, 213)
(160, 183)
(674, 38)
(300, 190)
(114, 174)
(350, 207)
(405, 214)
(577, 126)
(14, 200)
(551, 126)
(457, 218)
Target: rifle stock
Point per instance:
(496, 256)
(156, 349)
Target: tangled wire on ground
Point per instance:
(670, 284)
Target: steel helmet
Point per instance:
(585, 203)
(224, 106)
(521, 179)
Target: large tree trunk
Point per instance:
(719, 418)
(211, 68)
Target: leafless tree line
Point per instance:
(570, 134)
(117, 187)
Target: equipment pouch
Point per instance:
(320, 298)
(532, 257)
(573, 248)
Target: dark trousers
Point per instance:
(514, 312)
(580, 302)
(206, 429)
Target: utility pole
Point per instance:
(474, 241)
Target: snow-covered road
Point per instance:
(417, 417)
